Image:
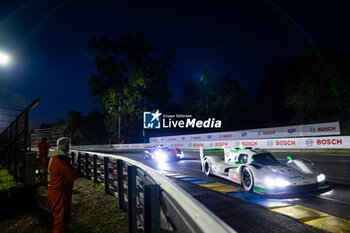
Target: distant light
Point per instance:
(201, 78)
(4, 59)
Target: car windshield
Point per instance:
(265, 159)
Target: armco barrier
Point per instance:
(315, 143)
(153, 202)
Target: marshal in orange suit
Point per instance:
(62, 176)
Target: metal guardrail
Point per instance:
(154, 203)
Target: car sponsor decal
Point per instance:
(235, 177)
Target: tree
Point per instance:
(132, 77)
(319, 90)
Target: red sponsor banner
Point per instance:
(197, 144)
(326, 129)
(172, 139)
(117, 146)
(269, 132)
(285, 142)
(196, 137)
(178, 145)
(126, 146)
(221, 144)
(249, 143)
(227, 136)
(329, 142)
(136, 146)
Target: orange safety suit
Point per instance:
(43, 148)
(62, 176)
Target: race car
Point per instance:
(163, 153)
(259, 171)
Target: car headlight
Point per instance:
(276, 182)
(160, 156)
(321, 178)
(181, 155)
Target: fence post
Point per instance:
(152, 208)
(95, 168)
(120, 180)
(86, 165)
(132, 199)
(79, 163)
(106, 173)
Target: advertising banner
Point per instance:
(310, 130)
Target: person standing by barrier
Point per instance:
(62, 176)
(43, 148)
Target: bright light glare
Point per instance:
(160, 156)
(4, 59)
(321, 178)
(276, 182)
(163, 166)
(181, 155)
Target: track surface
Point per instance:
(246, 217)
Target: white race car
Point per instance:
(259, 171)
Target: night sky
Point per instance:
(47, 41)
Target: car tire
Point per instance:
(206, 168)
(247, 179)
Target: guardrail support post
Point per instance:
(95, 168)
(152, 208)
(86, 165)
(106, 173)
(120, 180)
(132, 198)
(79, 163)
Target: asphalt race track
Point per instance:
(308, 212)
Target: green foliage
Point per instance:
(313, 87)
(132, 77)
(7, 181)
(223, 99)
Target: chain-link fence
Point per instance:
(51, 135)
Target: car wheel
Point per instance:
(207, 168)
(247, 179)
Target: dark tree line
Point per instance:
(132, 77)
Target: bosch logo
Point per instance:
(227, 135)
(249, 143)
(269, 132)
(285, 143)
(197, 144)
(329, 142)
(309, 142)
(221, 144)
(325, 129)
(270, 143)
